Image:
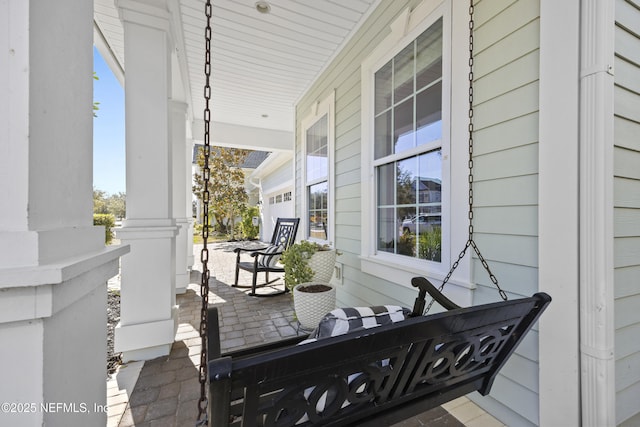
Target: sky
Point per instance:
(108, 130)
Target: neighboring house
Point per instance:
(556, 181)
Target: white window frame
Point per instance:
(406, 28)
(318, 110)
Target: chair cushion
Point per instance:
(270, 260)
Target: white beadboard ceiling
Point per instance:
(262, 63)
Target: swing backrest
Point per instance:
(339, 380)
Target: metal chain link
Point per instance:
(470, 241)
(204, 254)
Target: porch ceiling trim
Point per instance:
(247, 137)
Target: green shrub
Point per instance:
(108, 221)
(430, 244)
(296, 263)
(250, 231)
(407, 244)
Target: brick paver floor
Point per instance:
(167, 390)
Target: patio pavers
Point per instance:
(167, 390)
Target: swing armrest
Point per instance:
(426, 287)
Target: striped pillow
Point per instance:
(344, 320)
(271, 259)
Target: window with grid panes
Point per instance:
(408, 149)
(317, 171)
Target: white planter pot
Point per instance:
(310, 307)
(322, 263)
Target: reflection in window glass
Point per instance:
(429, 114)
(317, 171)
(383, 88)
(386, 230)
(318, 210)
(316, 139)
(403, 135)
(429, 56)
(383, 135)
(386, 184)
(406, 179)
(410, 115)
(410, 216)
(403, 74)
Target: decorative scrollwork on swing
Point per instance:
(408, 370)
(448, 360)
(322, 395)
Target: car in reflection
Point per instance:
(424, 223)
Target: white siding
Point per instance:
(627, 211)
(276, 179)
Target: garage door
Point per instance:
(276, 205)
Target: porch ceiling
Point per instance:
(262, 63)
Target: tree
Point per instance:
(95, 103)
(99, 201)
(116, 205)
(113, 204)
(227, 195)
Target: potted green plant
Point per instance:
(308, 267)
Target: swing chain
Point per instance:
(470, 214)
(204, 254)
(470, 241)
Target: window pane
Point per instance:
(383, 88)
(406, 181)
(403, 135)
(429, 221)
(430, 233)
(383, 135)
(410, 215)
(318, 210)
(386, 230)
(429, 57)
(403, 74)
(430, 172)
(429, 114)
(406, 239)
(316, 140)
(386, 184)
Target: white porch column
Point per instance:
(178, 142)
(148, 316)
(558, 216)
(189, 202)
(53, 261)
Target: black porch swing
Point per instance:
(408, 366)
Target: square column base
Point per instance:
(182, 282)
(145, 341)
